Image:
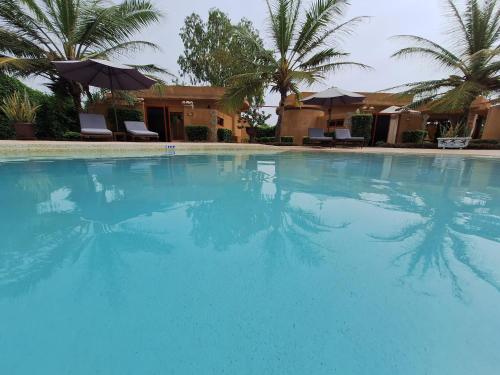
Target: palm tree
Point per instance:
(473, 64)
(303, 51)
(34, 33)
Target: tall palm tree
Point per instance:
(473, 62)
(304, 51)
(34, 33)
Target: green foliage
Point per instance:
(34, 33)
(265, 131)
(224, 135)
(56, 116)
(414, 136)
(9, 85)
(256, 117)
(304, 51)
(197, 133)
(330, 134)
(452, 131)
(214, 50)
(361, 125)
(266, 140)
(473, 61)
(71, 136)
(286, 139)
(306, 141)
(18, 107)
(123, 114)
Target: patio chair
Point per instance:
(94, 126)
(317, 135)
(343, 137)
(137, 129)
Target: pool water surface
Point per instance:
(292, 263)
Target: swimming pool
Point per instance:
(294, 263)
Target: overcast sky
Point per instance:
(371, 43)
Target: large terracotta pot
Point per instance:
(24, 131)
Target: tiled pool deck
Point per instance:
(116, 149)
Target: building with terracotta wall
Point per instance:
(169, 110)
(389, 124)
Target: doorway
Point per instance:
(157, 123)
(381, 131)
(177, 126)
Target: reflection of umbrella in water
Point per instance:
(104, 74)
(333, 96)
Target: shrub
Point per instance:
(18, 107)
(55, 117)
(123, 114)
(306, 141)
(197, 133)
(286, 139)
(265, 131)
(224, 135)
(414, 136)
(330, 134)
(265, 140)
(361, 125)
(71, 136)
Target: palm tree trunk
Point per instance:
(281, 113)
(76, 95)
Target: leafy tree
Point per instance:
(34, 33)
(473, 62)
(304, 51)
(215, 50)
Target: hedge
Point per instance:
(71, 136)
(265, 131)
(286, 139)
(265, 140)
(414, 136)
(361, 125)
(197, 133)
(224, 135)
(123, 114)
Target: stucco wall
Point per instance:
(297, 122)
(492, 127)
(408, 122)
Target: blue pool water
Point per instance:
(238, 264)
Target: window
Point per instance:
(220, 121)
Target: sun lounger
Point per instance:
(94, 126)
(137, 129)
(317, 135)
(343, 136)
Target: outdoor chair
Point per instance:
(94, 126)
(317, 135)
(343, 137)
(137, 129)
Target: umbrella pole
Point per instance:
(113, 97)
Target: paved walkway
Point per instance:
(62, 148)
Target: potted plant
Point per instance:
(21, 112)
(452, 137)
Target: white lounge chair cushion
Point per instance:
(138, 128)
(96, 131)
(143, 133)
(321, 138)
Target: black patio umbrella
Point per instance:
(104, 74)
(333, 96)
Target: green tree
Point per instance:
(214, 50)
(34, 33)
(304, 51)
(473, 62)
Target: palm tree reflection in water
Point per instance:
(451, 214)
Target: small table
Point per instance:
(120, 136)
